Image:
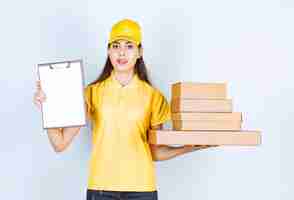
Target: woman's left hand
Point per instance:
(189, 148)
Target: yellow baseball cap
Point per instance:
(126, 29)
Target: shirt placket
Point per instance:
(120, 97)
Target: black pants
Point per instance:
(114, 195)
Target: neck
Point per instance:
(123, 77)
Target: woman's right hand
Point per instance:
(39, 96)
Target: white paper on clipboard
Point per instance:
(63, 85)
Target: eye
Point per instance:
(115, 46)
(130, 46)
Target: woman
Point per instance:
(122, 105)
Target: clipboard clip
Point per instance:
(64, 65)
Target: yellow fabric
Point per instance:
(126, 29)
(121, 115)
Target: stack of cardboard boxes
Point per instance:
(203, 106)
(203, 115)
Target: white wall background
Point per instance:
(249, 44)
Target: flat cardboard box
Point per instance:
(234, 116)
(170, 137)
(207, 125)
(194, 90)
(201, 105)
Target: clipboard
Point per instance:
(63, 85)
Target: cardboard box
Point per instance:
(234, 116)
(170, 137)
(207, 121)
(201, 105)
(188, 90)
(206, 125)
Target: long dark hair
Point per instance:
(140, 69)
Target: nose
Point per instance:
(121, 52)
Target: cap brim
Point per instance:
(124, 38)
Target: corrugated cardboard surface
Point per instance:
(199, 90)
(234, 116)
(201, 105)
(206, 125)
(169, 137)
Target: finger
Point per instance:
(38, 104)
(40, 93)
(38, 84)
(37, 94)
(39, 97)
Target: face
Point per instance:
(123, 55)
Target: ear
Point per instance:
(140, 52)
(108, 52)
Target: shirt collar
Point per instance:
(132, 83)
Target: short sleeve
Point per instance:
(88, 100)
(160, 109)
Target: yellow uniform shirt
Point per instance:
(121, 115)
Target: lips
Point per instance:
(122, 61)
